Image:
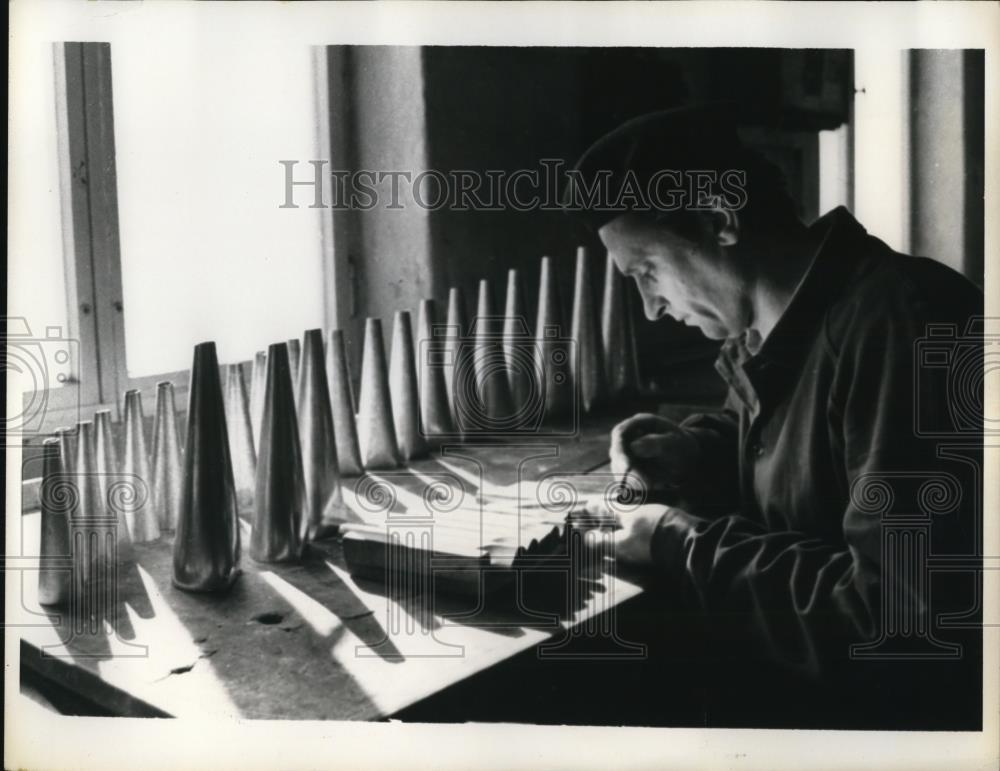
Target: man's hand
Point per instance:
(629, 533)
(652, 453)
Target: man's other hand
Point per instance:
(651, 452)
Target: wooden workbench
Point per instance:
(308, 641)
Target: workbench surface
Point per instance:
(308, 641)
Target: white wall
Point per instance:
(941, 161)
(881, 144)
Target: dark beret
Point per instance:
(641, 151)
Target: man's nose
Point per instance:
(654, 306)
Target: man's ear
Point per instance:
(726, 226)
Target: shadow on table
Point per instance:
(253, 647)
(96, 624)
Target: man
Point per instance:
(778, 533)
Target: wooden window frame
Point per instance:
(91, 241)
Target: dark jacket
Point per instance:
(850, 452)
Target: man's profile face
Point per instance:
(694, 280)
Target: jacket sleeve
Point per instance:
(714, 487)
(795, 599)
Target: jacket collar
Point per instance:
(841, 245)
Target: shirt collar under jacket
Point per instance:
(841, 246)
